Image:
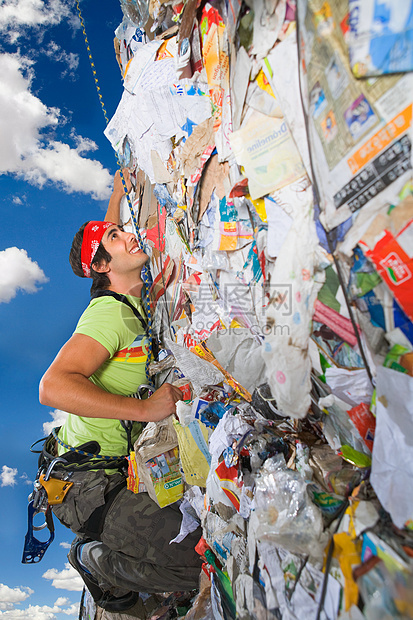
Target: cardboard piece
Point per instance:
(201, 137)
(213, 177)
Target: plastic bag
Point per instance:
(157, 462)
(285, 512)
(331, 471)
(137, 11)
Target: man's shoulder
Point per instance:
(101, 309)
(114, 298)
(115, 311)
(100, 304)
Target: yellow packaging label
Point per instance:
(166, 478)
(202, 351)
(193, 450)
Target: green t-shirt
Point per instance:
(113, 324)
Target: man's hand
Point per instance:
(113, 212)
(118, 185)
(161, 404)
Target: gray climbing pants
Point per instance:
(133, 552)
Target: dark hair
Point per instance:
(100, 280)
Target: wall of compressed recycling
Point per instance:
(271, 147)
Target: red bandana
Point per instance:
(92, 236)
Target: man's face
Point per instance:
(124, 250)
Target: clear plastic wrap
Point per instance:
(286, 514)
(137, 11)
(301, 460)
(213, 260)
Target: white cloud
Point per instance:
(33, 612)
(22, 115)
(70, 60)
(18, 272)
(8, 478)
(10, 596)
(65, 166)
(16, 15)
(83, 145)
(65, 545)
(66, 579)
(41, 612)
(25, 478)
(72, 610)
(27, 151)
(58, 418)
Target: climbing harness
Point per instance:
(99, 460)
(50, 491)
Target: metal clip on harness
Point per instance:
(35, 549)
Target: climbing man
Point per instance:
(122, 543)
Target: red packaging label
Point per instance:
(395, 266)
(365, 422)
(186, 391)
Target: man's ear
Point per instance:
(101, 266)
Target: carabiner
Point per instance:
(144, 386)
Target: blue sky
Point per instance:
(56, 171)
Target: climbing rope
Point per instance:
(91, 455)
(146, 276)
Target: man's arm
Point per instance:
(66, 386)
(113, 212)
